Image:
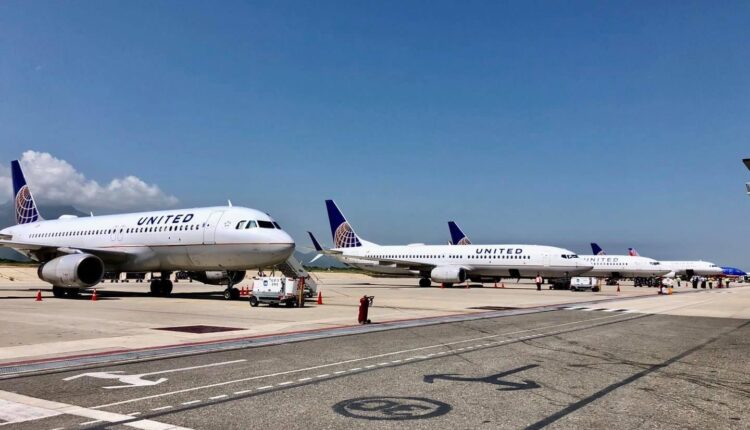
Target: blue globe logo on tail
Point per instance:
(343, 233)
(26, 210)
(344, 237)
(25, 207)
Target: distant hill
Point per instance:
(8, 218)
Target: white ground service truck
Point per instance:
(274, 290)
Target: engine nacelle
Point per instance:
(74, 270)
(448, 274)
(218, 277)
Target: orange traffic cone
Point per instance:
(320, 297)
(93, 296)
(39, 296)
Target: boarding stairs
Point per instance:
(292, 268)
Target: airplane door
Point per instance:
(209, 230)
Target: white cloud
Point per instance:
(55, 181)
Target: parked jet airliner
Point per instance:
(454, 264)
(687, 268)
(622, 266)
(215, 244)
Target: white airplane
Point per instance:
(449, 264)
(687, 268)
(622, 266)
(215, 244)
(362, 264)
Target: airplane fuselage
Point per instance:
(185, 239)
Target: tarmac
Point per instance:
(472, 357)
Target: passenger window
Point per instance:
(251, 224)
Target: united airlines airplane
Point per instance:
(454, 264)
(362, 264)
(215, 244)
(687, 268)
(622, 266)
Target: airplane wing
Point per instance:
(405, 264)
(36, 249)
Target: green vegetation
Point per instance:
(6, 262)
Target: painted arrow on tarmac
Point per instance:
(128, 380)
(491, 379)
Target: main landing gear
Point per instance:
(231, 293)
(425, 282)
(161, 286)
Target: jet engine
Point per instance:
(218, 277)
(448, 274)
(74, 270)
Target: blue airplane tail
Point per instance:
(632, 252)
(342, 232)
(597, 250)
(315, 243)
(26, 210)
(457, 236)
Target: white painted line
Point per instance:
(242, 392)
(396, 361)
(356, 369)
(610, 310)
(385, 363)
(441, 353)
(217, 397)
(339, 372)
(134, 414)
(325, 375)
(192, 402)
(89, 423)
(587, 309)
(223, 363)
(372, 365)
(285, 383)
(303, 379)
(161, 408)
(12, 412)
(265, 387)
(63, 408)
(354, 360)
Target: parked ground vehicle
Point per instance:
(580, 283)
(274, 290)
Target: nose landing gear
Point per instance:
(161, 286)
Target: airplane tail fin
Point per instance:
(315, 242)
(597, 250)
(632, 252)
(342, 232)
(457, 236)
(26, 210)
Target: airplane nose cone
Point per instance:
(286, 243)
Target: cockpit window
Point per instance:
(252, 224)
(275, 224)
(654, 263)
(265, 224)
(240, 224)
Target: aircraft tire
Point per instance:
(425, 282)
(155, 287)
(166, 288)
(72, 293)
(235, 294)
(58, 292)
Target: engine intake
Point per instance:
(75, 270)
(448, 274)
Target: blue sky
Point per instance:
(540, 122)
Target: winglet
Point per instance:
(597, 250)
(26, 210)
(315, 243)
(457, 236)
(342, 232)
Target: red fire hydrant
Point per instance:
(364, 304)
